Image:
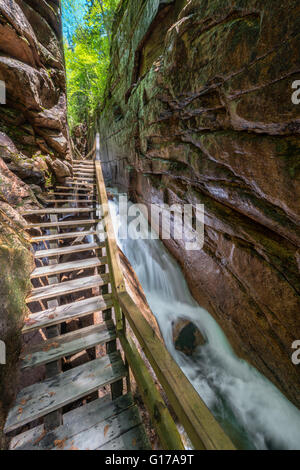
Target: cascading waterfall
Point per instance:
(250, 408)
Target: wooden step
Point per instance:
(85, 178)
(78, 185)
(134, 439)
(73, 184)
(98, 415)
(59, 268)
(62, 236)
(70, 418)
(71, 188)
(84, 171)
(65, 201)
(69, 223)
(67, 287)
(85, 194)
(75, 421)
(68, 344)
(83, 166)
(67, 250)
(45, 397)
(84, 182)
(81, 180)
(62, 313)
(62, 210)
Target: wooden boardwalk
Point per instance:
(89, 406)
(111, 421)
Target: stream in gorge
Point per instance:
(253, 412)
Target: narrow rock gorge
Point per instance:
(34, 152)
(198, 110)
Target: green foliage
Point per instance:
(87, 31)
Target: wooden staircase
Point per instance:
(71, 413)
(109, 422)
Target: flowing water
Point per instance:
(250, 408)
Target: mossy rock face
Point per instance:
(207, 118)
(17, 262)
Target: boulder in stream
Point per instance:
(187, 337)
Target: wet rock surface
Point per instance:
(198, 111)
(187, 337)
(16, 263)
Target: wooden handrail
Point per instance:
(160, 415)
(197, 420)
(118, 282)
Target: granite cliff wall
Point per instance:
(34, 136)
(198, 110)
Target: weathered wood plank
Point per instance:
(102, 433)
(199, 423)
(81, 176)
(84, 194)
(84, 178)
(86, 168)
(159, 413)
(96, 432)
(57, 210)
(84, 181)
(64, 288)
(42, 398)
(65, 201)
(54, 419)
(69, 223)
(62, 236)
(68, 344)
(71, 188)
(75, 421)
(89, 163)
(55, 316)
(67, 267)
(134, 439)
(87, 186)
(67, 250)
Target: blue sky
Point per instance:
(72, 16)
